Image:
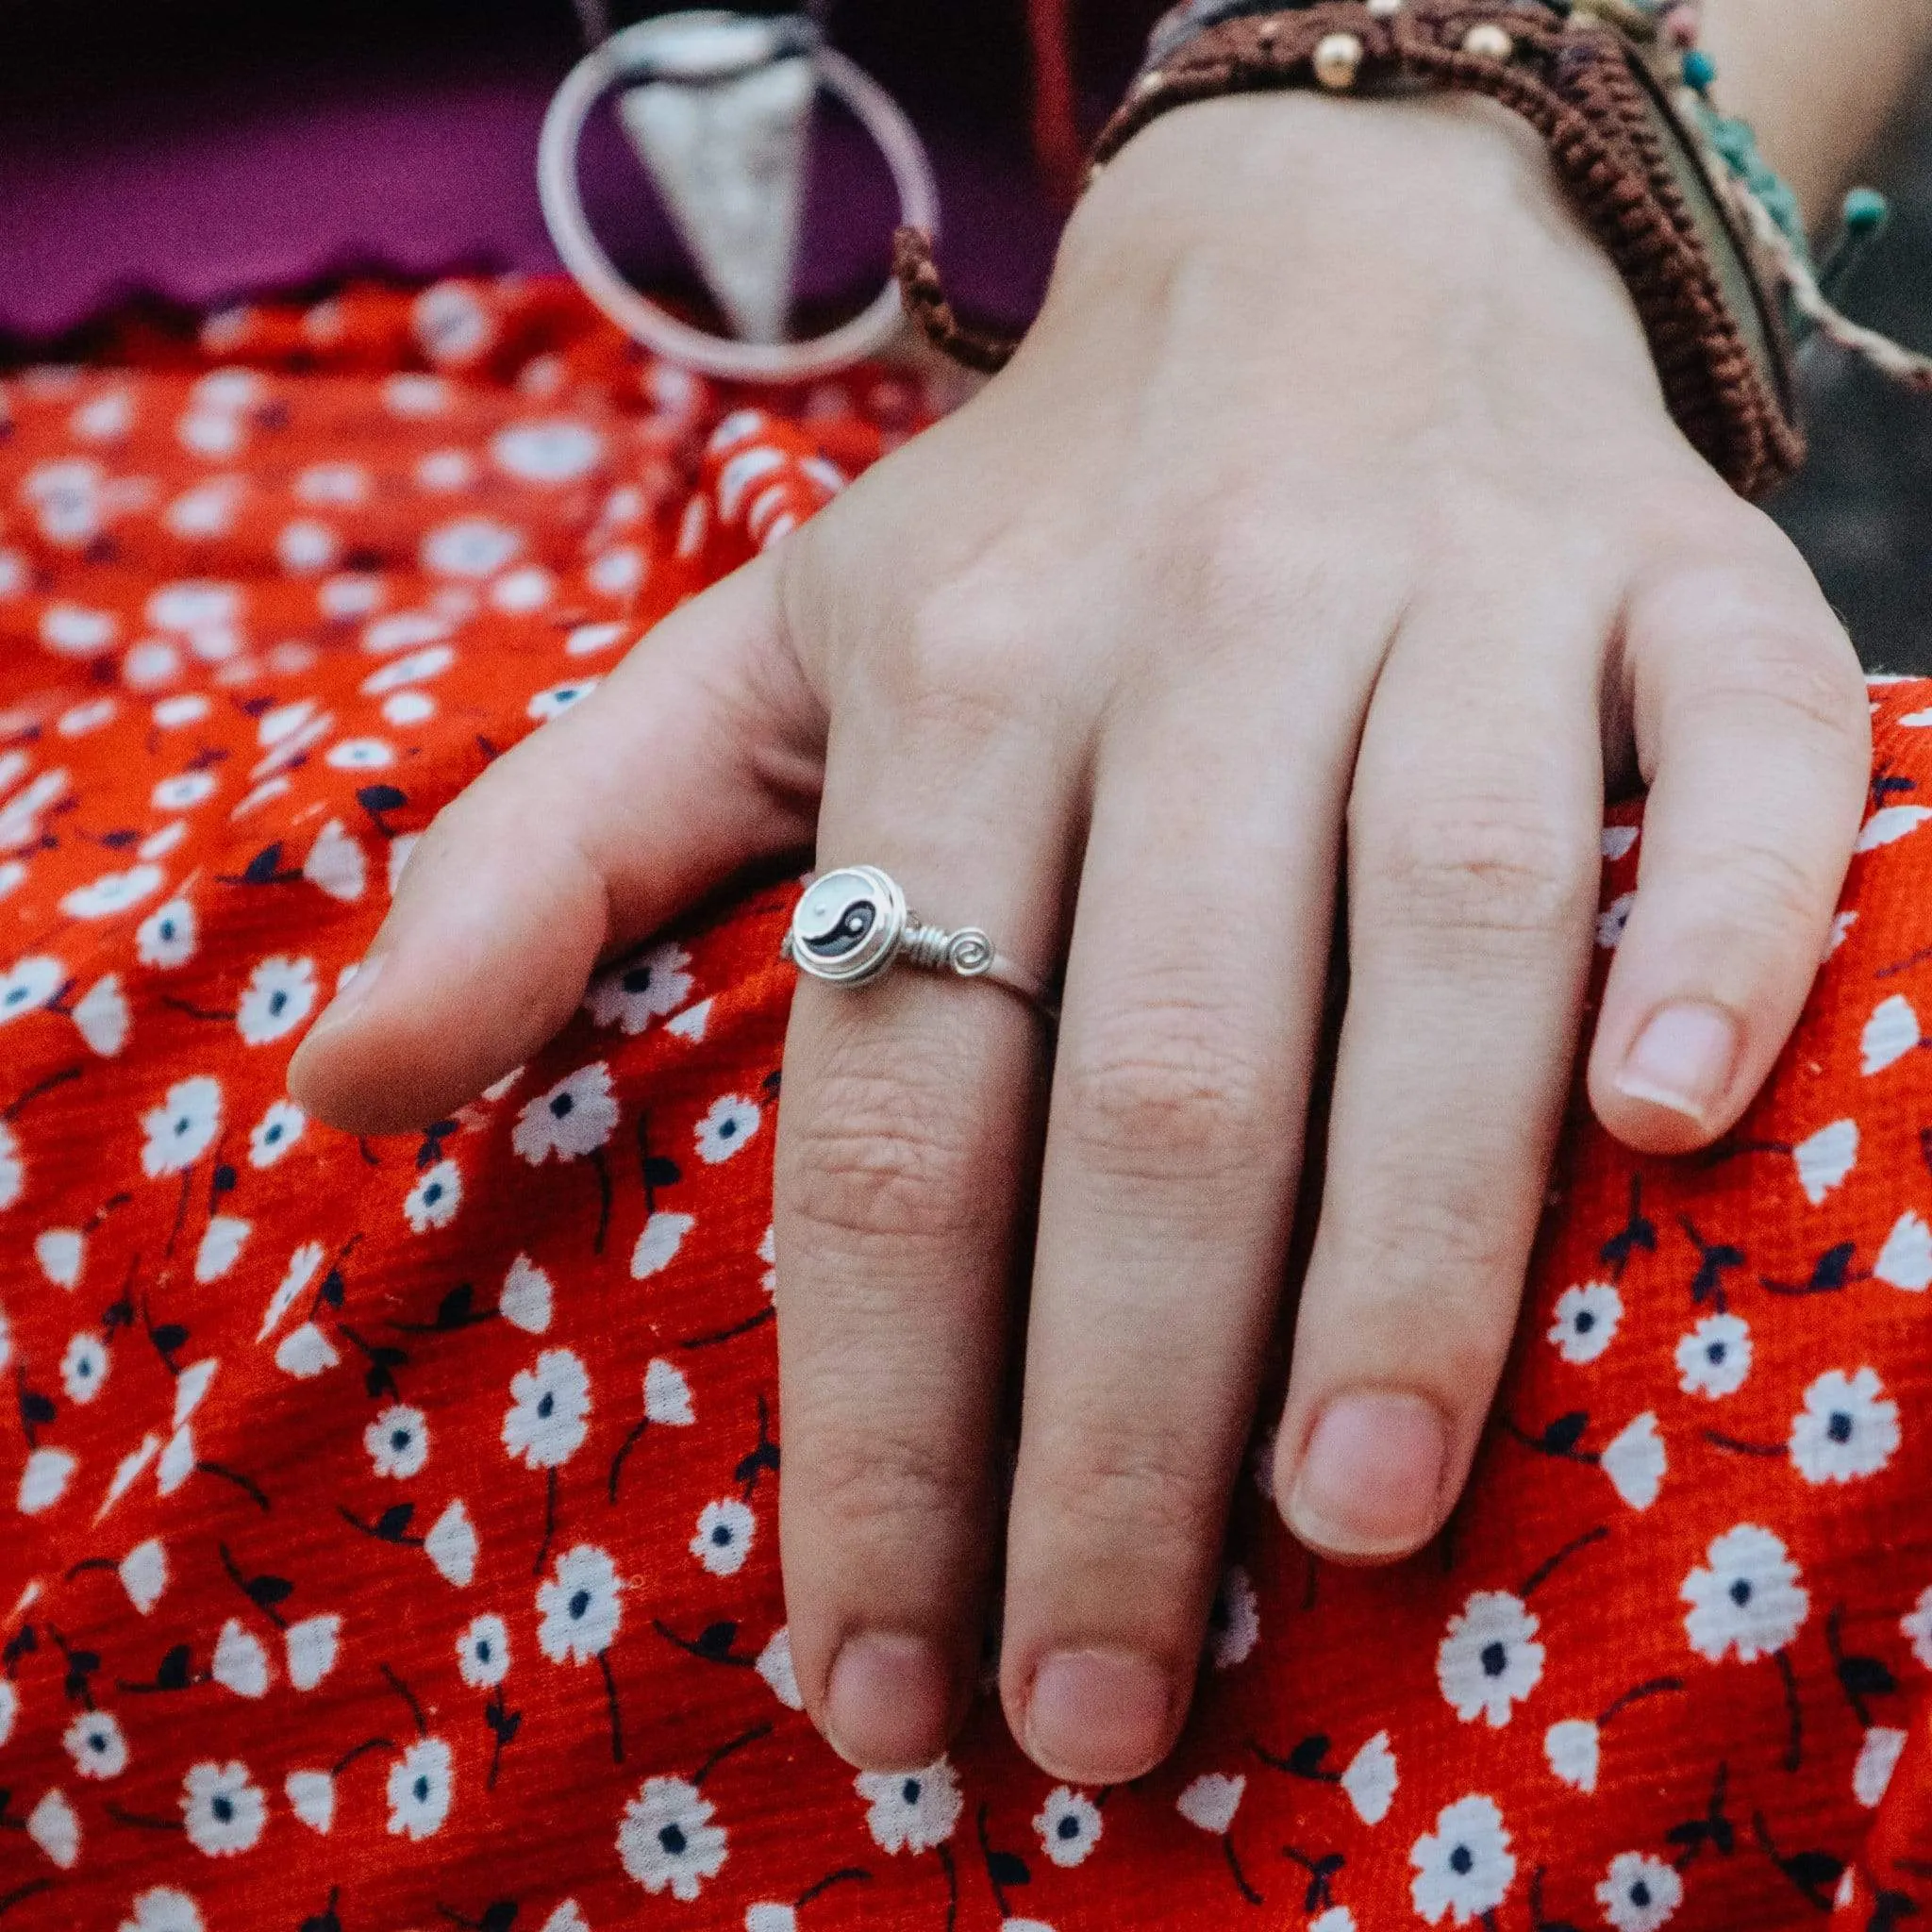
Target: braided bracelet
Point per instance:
(1705, 236)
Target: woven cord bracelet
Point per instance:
(1673, 193)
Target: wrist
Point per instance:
(1408, 221)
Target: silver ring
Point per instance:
(853, 926)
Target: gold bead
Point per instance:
(1488, 41)
(1337, 59)
(1149, 84)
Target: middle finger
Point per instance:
(1193, 997)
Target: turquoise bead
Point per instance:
(1699, 69)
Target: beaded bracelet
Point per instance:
(1707, 241)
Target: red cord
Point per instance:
(1056, 127)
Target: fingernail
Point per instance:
(1683, 1059)
(345, 1005)
(888, 1704)
(1370, 1478)
(1098, 1716)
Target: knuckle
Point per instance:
(1162, 1093)
(1142, 1489)
(888, 1484)
(1476, 865)
(868, 1168)
(1762, 894)
(958, 662)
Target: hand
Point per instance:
(1328, 525)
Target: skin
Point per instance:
(1327, 538)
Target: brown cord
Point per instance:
(926, 301)
(1604, 127)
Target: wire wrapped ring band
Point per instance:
(853, 926)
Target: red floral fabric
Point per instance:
(387, 1527)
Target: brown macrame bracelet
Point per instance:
(1716, 338)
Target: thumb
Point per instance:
(699, 754)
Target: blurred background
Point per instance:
(185, 154)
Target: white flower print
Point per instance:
(1370, 1780)
(1464, 1868)
(185, 790)
(435, 1198)
(775, 1666)
(312, 1798)
(667, 1838)
(1749, 1599)
(336, 865)
(309, 1649)
(1892, 822)
(360, 755)
(302, 1269)
(729, 1124)
(304, 1352)
(44, 1480)
(1611, 920)
(1210, 1802)
(1905, 1259)
(182, 1128)
(1848, 1428)
(53, 1826)
(163, 1909)
(722, 1539)
(10, 1709)
(554, 702)
(112, 892)
(579, 1607)
(561, 450)
(1634, 1461)
(1234, 1624)
(398, 1442)
(167, 936)
(911, 1811)
(1639, 1892)
(1715, 1358)
(544, 1426)
(221, 1243)
(275, 1133)
(525, 1300)
(566, 1918)
(648, 987)
(101, 1014)
(419, 1789)
(1878, 1758)
(97, 1745)
(770, 1916)
(1826, 1158)
(12, 1169)
(573, 1119)
(1891, 1032)
(1917, 1625)
(240, 1663)
(1069, 1826)
(222, 1808)
(1586, 1320)
(1336, 1919)
(667, 1395)
(29, 985)
(1573, 1748)
(60, 1252)
(84, 1368)
(143, 1573)
(483, 1653)
(471, 547)
(280, 996)
(1488, 1659)
(451, 1546)
(658, 1245)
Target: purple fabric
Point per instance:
(204, 200)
